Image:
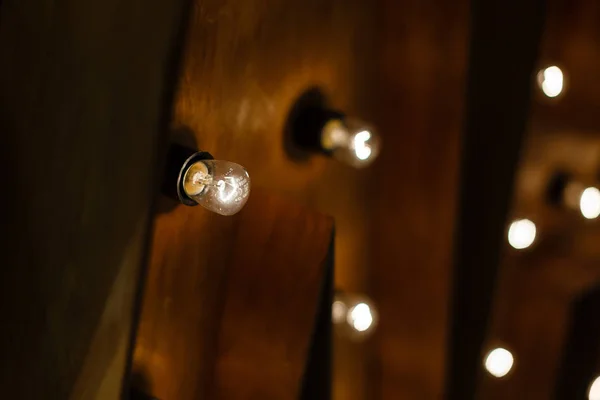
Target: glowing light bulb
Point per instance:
(360, 317)
(499, 362)
(594, 393)
(589, 203)
(350, 141)
(338, 312)
(354, 315)
(521, 233)
(219, 186)
(551, 81)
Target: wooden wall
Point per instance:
(246, 65)
(423, 71)
(539, 287)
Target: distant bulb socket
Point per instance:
(556, 188)
(179, 160)
(307, 131)
(564, 191)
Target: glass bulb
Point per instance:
(521, 234)
(354, 315)
(219, 186)
(339, 311)
(589, 203)
(499, 362)
(350, 141)
(551, 81)
(360, 317)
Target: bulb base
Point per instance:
(179, 160)
(308, 127)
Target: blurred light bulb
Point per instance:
(551, 81)
(350, 141)
(338, 312)
(360, 317)
(219, 186)
(499, 362)
(589, 203)
(594, 393)
(354, 315)
(521, 234)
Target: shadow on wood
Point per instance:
(230, 303)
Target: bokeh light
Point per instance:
(551, 81)
(589, 203)
(521, 233)
(499, 362)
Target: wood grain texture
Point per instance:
(83, 89)
(422, 85)
(246, 64)
(231, 303)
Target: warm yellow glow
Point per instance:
(360, 317)
(551, 81)
(338, 312)
(499, 362)
(594, 393)
(334, 135)
(521, 233)
(362, 150)
(589, 203)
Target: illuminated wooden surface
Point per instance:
(423, 69)
(246, 64)
(230, 303)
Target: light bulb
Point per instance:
(521, 233)
(360, 317)
(551, 81)
(589, 203)
(219, 186)
(350, 141)
(594, 393)
(354, 315)
(499, 362)
(339, 311)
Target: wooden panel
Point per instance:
(529, 318)
(533, 305)
(246, 64)
(414, 191)
(231, 302)
(83, 94)
(502, 65)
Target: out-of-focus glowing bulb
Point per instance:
(521, 233)
(594, 393)
(589, 203)
(551, 81)
(354, 315)
(350, 141)
(338, 312)
(360, 317)
(219, 186)
(499, 362)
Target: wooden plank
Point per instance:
(246, 65)
(231, 303)
(504, 45)
(413, 193)
(84, 95)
